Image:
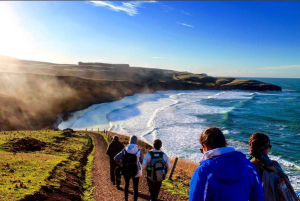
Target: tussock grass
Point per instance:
(25, 172)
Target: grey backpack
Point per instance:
(276, 184)
(157, 171)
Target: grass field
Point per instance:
(25, 171)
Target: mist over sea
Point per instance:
(178, 118)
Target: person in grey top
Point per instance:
(154, 187)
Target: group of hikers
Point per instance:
(223, 173)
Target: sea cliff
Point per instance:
(33, 93)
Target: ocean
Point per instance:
(178, 118)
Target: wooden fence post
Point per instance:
(173, 168)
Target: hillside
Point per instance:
(32, 93)
(45, 165)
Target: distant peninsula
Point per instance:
(32, 93)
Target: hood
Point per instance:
(229, 167)
(132, 148)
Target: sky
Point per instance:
(220, 38)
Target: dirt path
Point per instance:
(104, 190)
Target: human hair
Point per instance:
(213, 137)
(116, 138)
(157, 144)
(257, 143)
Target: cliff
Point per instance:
(33, 93)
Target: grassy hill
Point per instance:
(32, 93)
(37, 164)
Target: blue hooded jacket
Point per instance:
(226, 176)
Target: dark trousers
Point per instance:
(135, 187)
(113, 177)
(154, 188)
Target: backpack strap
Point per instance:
(151, 154)
(258, 165)
(125, 151)
(137, 151)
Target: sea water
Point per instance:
(178, 118)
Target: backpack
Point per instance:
(157, 167)
(276, 184)
(129, 166)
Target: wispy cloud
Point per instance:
(131, 8)
(184, 24)
(283, 67)
(157, 57)
(166, 8)
(186, 13)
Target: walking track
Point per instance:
(104, 189)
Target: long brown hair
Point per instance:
(258, 143)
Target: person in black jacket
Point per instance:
(113, 149)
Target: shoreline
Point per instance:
(65, 115)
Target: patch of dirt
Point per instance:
(59, 139)
(68, 132)
(27, 144)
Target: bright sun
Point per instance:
(14, 40)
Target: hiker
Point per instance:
(130, 160)
(113, 149)
(224, 174)
(276, 184)
(157, 164)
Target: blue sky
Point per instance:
(234, 38)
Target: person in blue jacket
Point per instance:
(224, 174)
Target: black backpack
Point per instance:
(129, 166)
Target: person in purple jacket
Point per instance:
(224, 174)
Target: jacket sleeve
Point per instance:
(257, 192)
(146, 160)
(168, 164)
(119, 156)
(197, 185)
(108, 150)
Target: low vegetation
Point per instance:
(35, 165)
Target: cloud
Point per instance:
(166, 8)
(186, 13)
(184, 24)
(157, 57)
(131, 8)
(283, 67)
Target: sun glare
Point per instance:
(14, 40)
